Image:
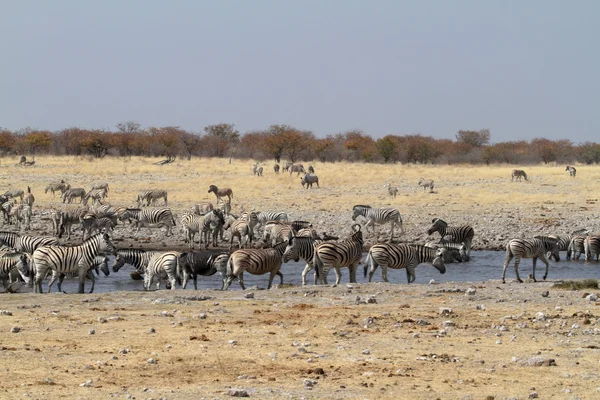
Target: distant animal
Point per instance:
(286, 166)
(202, 208)
(298, 168)
(257, 170)
(518, 174)
(426, 183)
(22, 160)
(61, 186)
(221, 192)
(308, 180)
(151, 197)
(276, 168)
(311, 170)
(71, 194)
(572, 171)
(101, 185)
(28, 199)
(392, 190)
(97, 196)
(378, 216)
(14, 193)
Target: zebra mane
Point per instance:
(362, 205)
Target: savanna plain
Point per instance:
(479, 340)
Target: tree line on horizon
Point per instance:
(279, 142)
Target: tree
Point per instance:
(275, 140)
(191, 143)
(387, 148)
(38, 140)
(547, 150)
(95, 143)
(421, 149)
(226, 134)
(6, 140)
(474, 138)
(362, 146)
(129, 127)
(589, 152)
(295, 142)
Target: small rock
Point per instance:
(366, 352)
(151, 330)
(545, 293)
(448, 323)
(87, 383)
(92, 331)
(540, 316)
(432, 282)
(249, 295)
(372, 300)
(232, 342)
(102, 320)
(202, 316)
(422, 322)
(237, 393)
(151, 361)
(166, 314)
(470, 292)
(15, 329)
(5, 312)
(123, 351)
(445, 311)
(592, 297)
(533, 395)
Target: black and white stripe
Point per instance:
(68, 218)
(453, 234)
(378, 216)
(71, 194)
(14, 262)
(240, 228)
(264, 216)
(528, 248)
(154, 218)
(151, 197)
(576, 247)
(398, 256)
(64, 259)
(138, 258)
(191, 224)
(99, 263)
(61, 187)
(302, 248)
(164, 266)
(591, 247)
(572, 170)
(256, 262)
(336, 255)
(212, 224)
(96, 195)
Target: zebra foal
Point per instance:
(64, 259)
(398, 256)
(256, 262)
(220, 193)
(336, 255)
(455, 234)
(528, 248)
(378, 216)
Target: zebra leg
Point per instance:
(534, 262)
(90, 275)
(517, 261)
(173, 280)
(241, 280)
(352, 272)
(52, 279)
(271, 276)
(83, 271)
(509, 257)
(338, 275)
(148, 276)
(545, 261)
(61, 277)
(374, 266)
(306, 270)
(410, 274)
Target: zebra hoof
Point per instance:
(520, 280)
(544, 277)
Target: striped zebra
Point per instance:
(576, 247)
(591, 247)
(71, 194)
(191, 224)
(14, 262)
(336, 255)
(302, 248)
(265, 216)
(101, 185)
(240, 228)
(203, 263)
(563, 242)
(392, 190)
(25, 243)
(220, 193)
(68, 218)
(154, 218)
(96, 195)
(453, 234)
(64, 259)
(99, 263)
(224, 206)
(528, 248)
(250, 217)
(151, 197)
(91, 224)
(61, 187)
(457, 252)
(572, 171)
(286, 166)
(277, 232)
(256, 262)
(378, 216)
(164, 266)
(12, 194)
(308, 232)
(426, 183)
(212, 224)
(202, 208)
(518, 174)
(398, 256)
(138, 258)
(21, 214)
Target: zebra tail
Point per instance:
(368, 262)
(318, 264)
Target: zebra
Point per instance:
(224, 206)
(286, 166)
(191, 224)
(398, 256)
(457, 234)
(5, 206)
(97, 195)
(378, 216)
(276, 168)
(241, 229)
(572, 171)
(138, 258)
(250, 217)
(518, 174)
(265, 216)
(392, 190)
(457, 252)
(61, 187)
(11, 262)
(277, 233)
(25, 243)
(591, 247)
(100, 185)
(308, 180)
(562, 243)
(528, 248)
(71, 194)
(311, 170)
(21, 213)
(164, 266)
(64, 259)
(154, 218)
(68, 218)
(576, 247)
(151, 197)
(202, 208)
(345, 253)
(298, 168)
(29, 198)
(213, 223)
(426, 183)
(204, 263)
(99, 263)
(302, 247)
(257, 170)
(220, 193)
(307, 232)
(91, 223)
(256, 262)
(14, 193)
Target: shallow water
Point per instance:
(485, 265)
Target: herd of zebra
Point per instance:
(276, 241)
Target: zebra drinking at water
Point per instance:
(151, 197)
(591, 247)
(220, 193)
(64, 259)
(572, 171)
(528, 248)
(518, 174)
(164, 266)
(138, 258)
(336, 255)
(99, 263)
(456, 234)
(426, 183)
(71, 194)
(154, 218)
(562, 243)
(398, 256)
(11, 262)
(457, 252)
(61, 187)
(203, 263)
(378, 216)
(256, 262)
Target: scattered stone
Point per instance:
(545, 293)
(432, 282)
(422, 322)
(533, 395)
(92, 331)
(592, 297)
(249, 295)
(87, 383)
(309, 383)
(366, 352)
(151, 361)
(166, 314)
(5, 312)
(102, 320)
(445, 311)
(372, 300)
(232, 342)
(237, 393)
(470, 292)
(123, 351)
(480, 307)
(151, 330)
(448, 323)
(540, 316)
(202, 316)
(15, 329)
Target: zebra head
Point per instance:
(359, 210)
(105, 246)
(213, 188)
(119, 262)
(438, 226)
(23, 267)
(291, 251)
(463, 253)
(438, 261)
(104, 266)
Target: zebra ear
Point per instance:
(433, 220)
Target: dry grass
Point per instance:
(577, 285)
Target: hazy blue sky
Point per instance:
(523, 69)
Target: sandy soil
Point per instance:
(351, 341)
